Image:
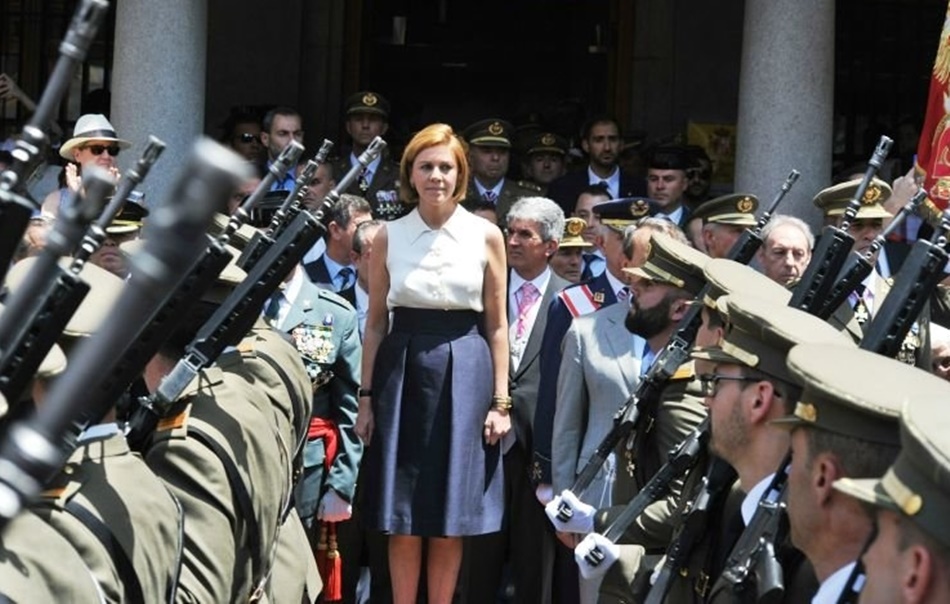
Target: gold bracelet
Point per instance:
(501, 403)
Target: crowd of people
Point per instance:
(411, 415)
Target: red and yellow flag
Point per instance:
(933, 150)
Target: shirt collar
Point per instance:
(371, 167)
(615, 284)
(496, 189)
(333, 267)
(751, 501)
(454, 227)
(540, 282)
(675, 216)
(613, 181)
(830, 588)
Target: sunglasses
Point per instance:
(100, 149)
(709, 382)
(247, 137)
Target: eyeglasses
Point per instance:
(247, 137)
(100, 149)
(709, 382)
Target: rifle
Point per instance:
(27, 302)
(681, 459)
(132, 177)
(715, 484)
(234, 317)
(32, 452)
(918, 277)
(858, 266)
(260, 243)
(287, 211)
(753, 559)
(16, 206)
(675, 353)
(835, 244)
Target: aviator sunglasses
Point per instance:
(100, 149)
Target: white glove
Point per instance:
(333, 508)
(544, 493)
(595, 554)
(569, 514)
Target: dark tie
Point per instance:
(272, 309)
(345, 277)
(363, 181)
(489, 196)
(588, 272)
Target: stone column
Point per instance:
(158, 84)
(786, 100)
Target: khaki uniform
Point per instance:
(121, 519)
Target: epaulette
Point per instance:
(686, 371)
(580, 300)
(63, 487)
(335, 298)
(175, 425)
(527, 184)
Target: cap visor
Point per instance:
(714, 354)
(868, 490)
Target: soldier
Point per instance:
(748, 386)
(866, 226)
(106, 502)
(909, 559)
(544, 158)
(126, 225)
(844, 425)
(334, 269)
(367, 116)
(724, 220)
(489, 152)
(667, 182)
(568, 261)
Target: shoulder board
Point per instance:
(527, 184)
(176, 425)
(334, 297)
(63, 486)
(579, 300)
(686, 371)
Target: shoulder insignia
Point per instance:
(527, 184)
(178, 421)
(579, 300)
(686, 371)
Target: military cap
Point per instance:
(834, 200)
(130, 216)
(618, 214)
(491, 132)
(737, 209)
(760, 333)
(673, 263)
(854, 392)
(727, 277)
(917, 485)
(573, 233)
(366, 102)
(546, 142)
(95, 309)
(670, 158)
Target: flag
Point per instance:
(933, 149)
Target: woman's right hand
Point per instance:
(364, 424)
(73, 180)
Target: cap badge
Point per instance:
(745, 205)
(872, 194)
(370, 99)
(575, 227)
(496, 129)
(807, 412)
(547, 140)
(639, 208)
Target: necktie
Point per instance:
(489, 196)
(344, 277)
(606, 185)
(526, 296)
(272, 310)
(623, 294)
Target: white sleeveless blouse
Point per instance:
(441, 269)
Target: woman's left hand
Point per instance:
(497, 424)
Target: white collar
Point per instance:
(751, 501)
(830, 588)
(496, 189)
(675, 216)
(615, 284)
(613, 181)
(540, 282)
(370, 167)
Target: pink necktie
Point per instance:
(526, 297)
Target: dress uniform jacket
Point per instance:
(38, 565)
(600, 294)
(119, 516)
(324, 329)
(217, 453)
(511, 191)
(382, 191)
(678, 412)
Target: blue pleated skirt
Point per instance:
(428, 471)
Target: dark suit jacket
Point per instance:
(523, 382)
(318, 273)
(559, 319)
(567, 188)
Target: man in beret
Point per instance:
(544, 158)
(489, 153)
(600, 140)
(367, 116)
(667, 182)
(909, 559)
(844, 425)
(724, 219)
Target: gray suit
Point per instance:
(600, 369)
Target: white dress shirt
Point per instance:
(613, 181)
(830, 588)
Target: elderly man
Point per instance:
(786, 248)
(723, 221)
